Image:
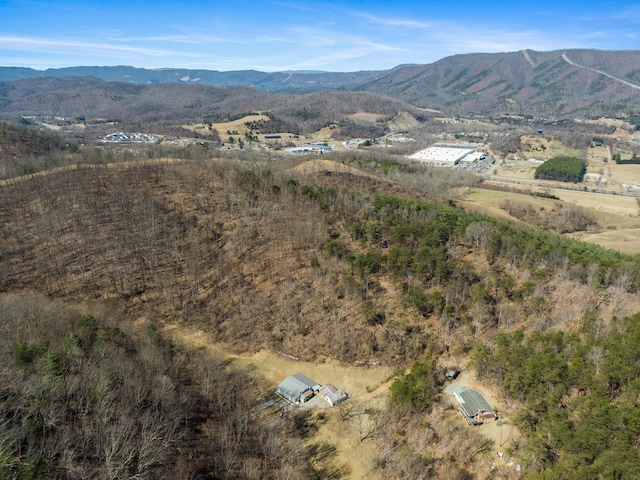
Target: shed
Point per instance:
(451, 374)
(297, 388)
(332, 395)
(473, 406)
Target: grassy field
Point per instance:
(625, 241)
(625, 173)
(518, 169)
(596, 157)
(617, 215)
(538, 146)
(234, 126)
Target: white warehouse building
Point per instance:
(443, 155)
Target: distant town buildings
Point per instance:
(126, 137)
(317, 147)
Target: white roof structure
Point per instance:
(441, 155)
(472, 157)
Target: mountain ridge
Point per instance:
(569, 83)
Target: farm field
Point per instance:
(625, 173)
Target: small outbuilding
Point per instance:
(332, 395)
(451, 374)
(297, 388)
(473, 407)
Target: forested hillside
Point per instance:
(371, 264)
(163, 107)
(88, 398)
(24, 150)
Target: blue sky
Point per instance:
(299, 35)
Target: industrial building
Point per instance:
(443, 155)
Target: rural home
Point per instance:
(297, 388)
(473, 407)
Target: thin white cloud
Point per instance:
(51, 44)
(629, 14)
(183, 39)
(400, 22)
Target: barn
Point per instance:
(473, 407)
(297, 388)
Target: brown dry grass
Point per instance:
(537, 146)
(364, 117)
(358, 382)
(222, 128)
(518, 169)
(596, 157)
(625, 173)
(617, 215)
(324, 166)
(625, 241)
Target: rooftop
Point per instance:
(471, 401)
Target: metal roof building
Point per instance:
(297, 388)
(442, 156)
(332, 395)
(473, 406)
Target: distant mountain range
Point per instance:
(268, 82)
(560, 84)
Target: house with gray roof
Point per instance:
(473, 407)
(297, 388)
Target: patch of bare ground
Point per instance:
(365, 117)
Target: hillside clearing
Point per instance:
(363, 384)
